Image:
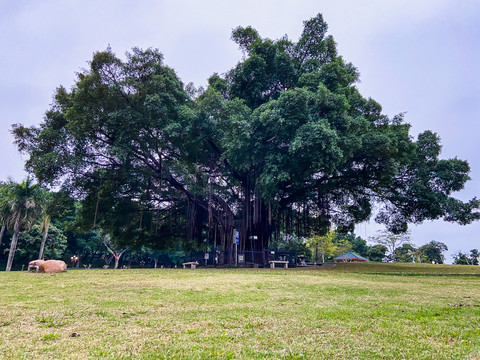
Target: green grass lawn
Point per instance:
(365, 311)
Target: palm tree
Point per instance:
(25, 205)
(44, 226)
(55, 206)
(4, 210)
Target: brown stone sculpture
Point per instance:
(49, 266)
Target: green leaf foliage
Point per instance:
(283, 142)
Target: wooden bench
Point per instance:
(193, 265)
(273, 262)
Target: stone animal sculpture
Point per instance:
(49, 266)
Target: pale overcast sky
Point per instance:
(415, 56)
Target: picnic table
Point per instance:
(192, 264)
(282, 262)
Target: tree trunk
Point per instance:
(117, 257)
(13, 246)
(223, 242)
(215, 237)
(2, 232)
(91, 258)
(44, 240)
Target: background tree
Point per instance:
(391, 241)
(29, 242)
(406, 253)
(377, 252)
(55, 205)
(342, 246)
(357, 244)
(323, 245)
(113, 249)
(25, 202)
(433, 251)
(472, 258)
(86, 246)
(292, 243)
(328, 245)
(350, 242)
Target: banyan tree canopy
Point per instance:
(282, 144)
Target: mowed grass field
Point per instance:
(364, 311)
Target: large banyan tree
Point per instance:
(283, 142)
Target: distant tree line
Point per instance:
(385, 246)
(52, 228)
(471, 258)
